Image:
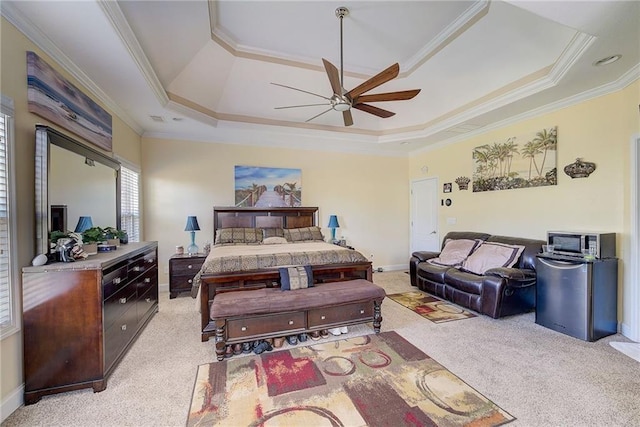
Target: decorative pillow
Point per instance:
(492, 255)
(275, 240)
(296, 277)
(303, 234)
(238, 235)
(272, 232)
(455, 251)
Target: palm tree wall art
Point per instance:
(519, 162)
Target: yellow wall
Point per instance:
(368, 193)
(13, 83)
(598, 130)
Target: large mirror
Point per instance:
(72, 180)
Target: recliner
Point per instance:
(497, 293)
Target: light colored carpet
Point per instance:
(541, 377)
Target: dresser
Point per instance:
(182, 269)
(81, 317)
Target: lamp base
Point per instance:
(192, 249)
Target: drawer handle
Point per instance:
(244, 328)
(147, 299)
(190, 281)
(323, 317)
(136, 268)
(291, 322)
(189, 266)
(150, 260)
(361, 311)
(117, 280)
(123, 327)
(147, 280)
(123, 300)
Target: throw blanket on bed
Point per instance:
(223, 259)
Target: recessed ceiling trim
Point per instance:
(571, 53)
(37, 37)
(120, 24)
(461, 24)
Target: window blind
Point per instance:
(130, 202)
(6, 315)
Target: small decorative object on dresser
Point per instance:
(182, 269)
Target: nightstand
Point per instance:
(182, 269)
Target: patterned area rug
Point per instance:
(430, 307)
(372, 380)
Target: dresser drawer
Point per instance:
(142, 263)
(118, 335)
(186, 266)
(181, 283)
(114, 280)
(118, 303)
(337, 314)
(285, 322)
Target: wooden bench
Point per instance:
(214, 284)
(270, 312)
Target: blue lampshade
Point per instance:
(192, 224)
(84, 223)
(333, 222)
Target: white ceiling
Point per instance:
(206, 68)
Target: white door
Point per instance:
(424, 215)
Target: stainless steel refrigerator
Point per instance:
(577, 297)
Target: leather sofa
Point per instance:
(498, 292)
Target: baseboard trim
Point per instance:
(13, 401)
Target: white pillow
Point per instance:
(492, 255)
(455, 251)
(274, 240)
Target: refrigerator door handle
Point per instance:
(565, 265)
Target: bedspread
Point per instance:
(237, 258)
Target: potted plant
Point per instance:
(90, 239)
(114, 236)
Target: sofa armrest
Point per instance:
(516, 277)
(425, 255)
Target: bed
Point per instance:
(238, 261)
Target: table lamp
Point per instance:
(333, 224)
(192, 226)
(84, 223)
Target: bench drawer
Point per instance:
(252, 326)
(341, 313)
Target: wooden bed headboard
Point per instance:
(227, 217)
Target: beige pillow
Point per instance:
(492, 255)
(238, 235)
(455, 251)
(275, 240)
(303, 234)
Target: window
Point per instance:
(9, 310)
(130, 201)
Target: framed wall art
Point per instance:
(54, 98)
(267, 187)
(518, 162)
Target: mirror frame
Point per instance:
(45, 136)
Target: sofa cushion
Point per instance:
(432, 272)
(470, 283)
(455, 251)
(492, 255)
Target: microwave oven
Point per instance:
(577, 243)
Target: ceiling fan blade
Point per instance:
(300, 90)
(318, 115)
(334, 76)
(348, 119)
(375, 81)
(297, 106)
(374, 110)
(389, 96)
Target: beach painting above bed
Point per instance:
(265, 187)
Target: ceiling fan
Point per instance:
(343, 100)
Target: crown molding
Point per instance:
(120, 24)
(622, 82)
(42, 41)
